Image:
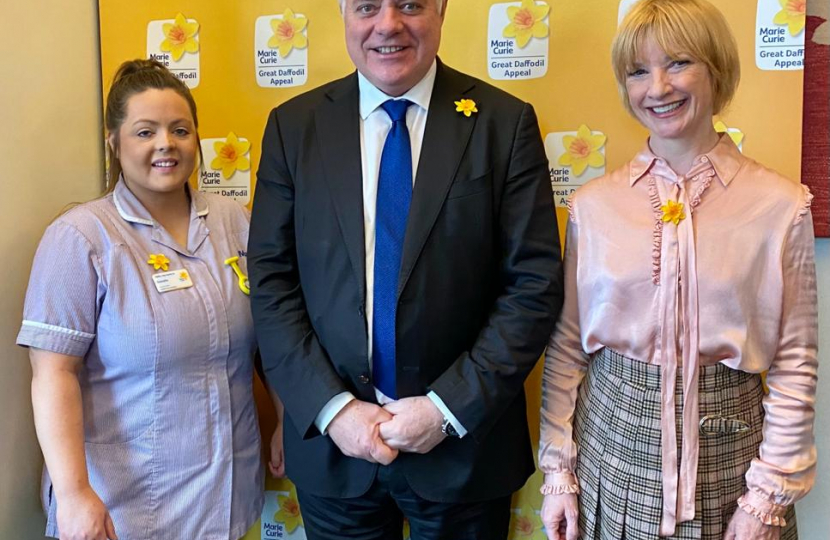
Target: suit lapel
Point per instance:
(338, 131)
(446, 136)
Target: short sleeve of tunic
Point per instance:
(65, 291)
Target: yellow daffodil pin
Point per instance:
(526, 22)
(230, 155)
(158, 261)
(673, 211)
(466, 106)
(288, 33)
(180, 37)
(793, 15)
(582, 151)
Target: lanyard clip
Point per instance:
(244, 285)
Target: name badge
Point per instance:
(172, 280)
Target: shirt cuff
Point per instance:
(58, 339)
(447, 414)
(765, 510)
(330, 410)
(561, 482)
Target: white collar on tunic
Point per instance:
(131, 209)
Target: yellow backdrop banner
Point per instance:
(241, 59)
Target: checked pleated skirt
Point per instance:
(617, 432)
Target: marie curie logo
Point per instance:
(517, 40)
(175, 43)
(779, 34)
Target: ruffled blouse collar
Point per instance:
(724, 159)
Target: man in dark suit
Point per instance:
(405, 276)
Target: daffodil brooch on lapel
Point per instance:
(673, 211)
(466, 106)
(158, 261)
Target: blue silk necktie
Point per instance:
(394, 196)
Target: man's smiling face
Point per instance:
(393, 42)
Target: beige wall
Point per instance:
(50, 153)
(50, 129)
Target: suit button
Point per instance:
(360, 310)
(363, 379)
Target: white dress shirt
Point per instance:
(374, 127)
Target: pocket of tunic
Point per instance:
(121, 474)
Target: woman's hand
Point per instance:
(82, 516)
(276, 459)
(59, 421)
(744, 526)
(560, 514)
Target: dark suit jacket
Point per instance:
(479, 292)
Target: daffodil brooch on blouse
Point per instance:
(158, 261)
(466, 106)
(673, 211)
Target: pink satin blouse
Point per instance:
(745, 251)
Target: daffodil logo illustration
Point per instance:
(158, 261)
(527, 525)
(288, 33)
(793, 15)
(736, 135)
(582, 151)
(180, 37)
(183, 276)
(673, 212)
(466, 106)
(526, 22)
(230, 155)
(289, 512)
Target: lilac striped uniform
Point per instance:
(170, 428)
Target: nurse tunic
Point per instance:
(170, 428)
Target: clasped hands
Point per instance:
(374, 433)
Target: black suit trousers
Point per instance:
(379, 514)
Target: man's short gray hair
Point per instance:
(439, 2)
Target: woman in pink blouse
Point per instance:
(689, 271)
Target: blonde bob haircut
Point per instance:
(692, 27)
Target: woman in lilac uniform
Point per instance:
(142, 342)
(688, 272)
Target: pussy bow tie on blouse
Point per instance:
(678, 341)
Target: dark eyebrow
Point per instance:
(181, 120)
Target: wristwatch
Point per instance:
(448, 429)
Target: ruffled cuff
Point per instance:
(558, 483)
(767, 511)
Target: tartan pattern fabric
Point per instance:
(617, 432)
